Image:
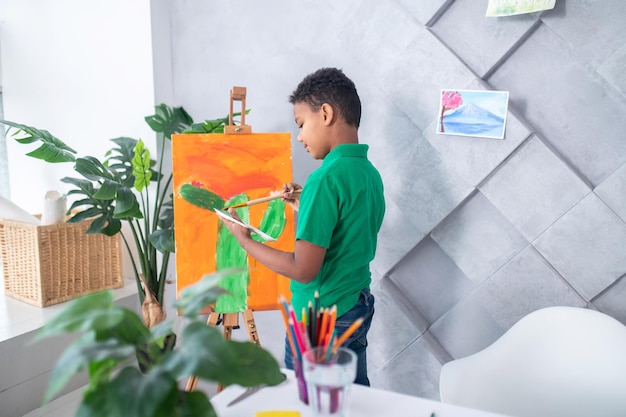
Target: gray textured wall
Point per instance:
(478, 232)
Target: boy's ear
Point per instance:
(328, 112)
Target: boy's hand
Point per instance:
(289, 197)
(238, 231)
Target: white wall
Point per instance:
(81, 70)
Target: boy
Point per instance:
(341, 209)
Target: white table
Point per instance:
(363, 401)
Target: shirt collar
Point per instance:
(355, 150)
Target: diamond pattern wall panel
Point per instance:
(430, 280)
(559, 84)
(525, 284)
(466, 328)
(491, 38)
(613, 190)
(534, 188)
(592, 30)
(424, 10)
(398, 317)
(415, 371)
(477, 232)
(478, 238)
(586, 246)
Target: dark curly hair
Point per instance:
(330, 85)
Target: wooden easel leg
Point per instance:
(192, 382)
(230, 321)
(248, 319)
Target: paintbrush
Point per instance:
(261, 200)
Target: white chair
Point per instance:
(554, 362)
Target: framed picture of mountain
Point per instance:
(476, 113)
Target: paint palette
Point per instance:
(226, 216)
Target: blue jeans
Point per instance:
(357, 342)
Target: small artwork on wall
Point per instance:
(477, 113)
(497, 8)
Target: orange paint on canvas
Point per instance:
(228, 165)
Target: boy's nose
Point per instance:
(299, 137)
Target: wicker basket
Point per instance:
(45, 265)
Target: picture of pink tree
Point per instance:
(450, 100)
(478, 113)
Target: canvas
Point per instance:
(213, 170)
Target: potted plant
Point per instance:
(126, 186)
(112, 336)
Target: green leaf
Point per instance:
(131, 329)
(161, 330)
(100, 372)
(51, 153)
(96, 312)
(126, 205)
(168, 121)
(52, 149)
(105, 224)
(208, 355)
(141, 166)
(97, 403)
(79, 355)
(209, 126)
(107, 190)
(78, 182)
(92, 169)
(82, 313)
(166, 217)
(163, 240)
(153, 394)
(119, 160)
(195, 298)
(83, 215)
(196, 404)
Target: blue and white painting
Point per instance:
(476, 113)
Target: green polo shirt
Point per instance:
(341, 209)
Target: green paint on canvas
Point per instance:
(229, 254)
(274, 220)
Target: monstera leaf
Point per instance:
(113, 335)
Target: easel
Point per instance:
(239, 94)
(230, 321)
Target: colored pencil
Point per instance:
(333, 319)
(297, 337)
(315, 318)
(329, 346)
(311, 323)
(287, 329)
(305, 338)
(348, 333)
(321, 334)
